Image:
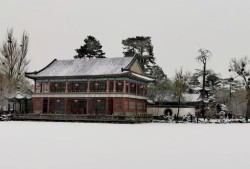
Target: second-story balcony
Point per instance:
(91, 87)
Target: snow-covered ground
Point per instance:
(51, 145)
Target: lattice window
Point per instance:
(77, 106)
(98, 86)
(118, 104)
(46, 87)
(132, 88)
(119, 86)
(127, 87)
(77, 86)
(111, 86)
(100, 106)
(57, 87)
(132, 105)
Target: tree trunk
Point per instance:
(203, 91)
(248, 105)
(179, 102)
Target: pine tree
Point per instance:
(142, 48)
(91, 49)
(162, 88)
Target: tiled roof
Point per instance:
(83, 67)
(143, 77)
(192, 97)
(19, 96)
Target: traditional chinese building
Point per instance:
(99, 86)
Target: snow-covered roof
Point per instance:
(191, 97)
(196, 88)
(150, 101)
(223, 107)
(84, 67)
(143, 77)
(19, 96)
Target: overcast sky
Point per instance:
(178, 28)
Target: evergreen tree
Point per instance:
(162, 88)
(194, 81)
(142, 48)
(212, 79)
(203, 57)
(158, 73)
(91, 49)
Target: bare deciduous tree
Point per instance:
(180, 86)
(239, 66)
(238, 104)
(14, 59)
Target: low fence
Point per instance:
(139, 118)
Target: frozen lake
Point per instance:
(58, 145)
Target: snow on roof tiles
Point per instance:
(84, 67)
(143, 77)
(19, 95)
(192, 97)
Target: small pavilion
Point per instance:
(22, 102)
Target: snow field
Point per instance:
(59, 145)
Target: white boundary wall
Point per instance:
(159, 111)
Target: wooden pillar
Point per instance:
(66, 86)
(107, 109)
(136, 87)
(25, 106)
(107, 86)
(124, 86)
(14, 106)
(48, 87)
(128, 104)
(35, 87)
(87, 105)
(48, 105)
(123, 105)
(114, 89)
(143, 89)
(143, 107)
(129, 87)
(65, 105)
(88, 86)
(42, 87)
(114, 105)
(136, 105)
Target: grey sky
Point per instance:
(178, 28)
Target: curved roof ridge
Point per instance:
(95, 58)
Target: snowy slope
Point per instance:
(49, 145)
